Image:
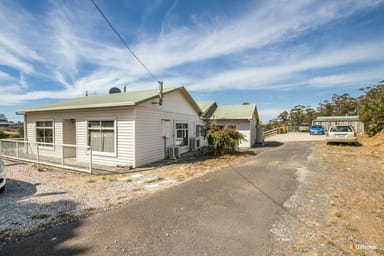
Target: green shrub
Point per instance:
(221, 141)
(3, 135)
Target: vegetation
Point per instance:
(221, 141)
(11, 132)
(369, 107)
(3, 135)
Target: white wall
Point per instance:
(150, 144)
(138, 129)
(242, 126)
(124, 131)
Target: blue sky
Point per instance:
(275, 54)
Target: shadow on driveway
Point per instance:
(22, 216)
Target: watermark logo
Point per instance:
(353, 246)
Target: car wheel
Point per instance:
(2, 189)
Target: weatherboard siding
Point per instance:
(139, 129)
(252, 128)
(173, 102)
(47, 152)
(124, 118)
(242, 126)
(151, 145)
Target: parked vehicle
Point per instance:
(304, 128)
(316, 129)
(341, 134)
(2, 176)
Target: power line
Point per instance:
(122, 40)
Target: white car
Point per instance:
(2, 176)
(341, 134)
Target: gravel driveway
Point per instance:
(34, 200)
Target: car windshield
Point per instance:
(317, 126)
(341, 129)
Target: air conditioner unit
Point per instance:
(173, 152)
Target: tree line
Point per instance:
(369, 107)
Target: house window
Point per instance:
(181, 134)
(101, 136)
(231, 126)
(44, 133)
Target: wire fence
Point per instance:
(68, 156)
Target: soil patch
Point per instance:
(338, 208)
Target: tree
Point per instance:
(325, 108)
(283, 118)
(344, 105)
(297, 115)
(309, 115)
(371, 108)
(221, 140)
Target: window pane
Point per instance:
(48, 139)
(108, 141)
(109, 124)
(48, 124)
(93, 124)
(95, 140)
(182, 134)
(39, 124)
(101, 136)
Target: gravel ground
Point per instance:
(338, 208)
(295, 136)
(34, 200)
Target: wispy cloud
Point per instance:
(70, 45)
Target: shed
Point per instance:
(328, 121)
(243, 117)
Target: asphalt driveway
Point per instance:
(229, 212)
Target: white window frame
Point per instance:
(45, 144)
(177, 140)
(101, 153)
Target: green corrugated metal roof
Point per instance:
(205, 105)
(207, 108)
(109, 100)
(337, 118)
(235, 112)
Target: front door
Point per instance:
(69, 138)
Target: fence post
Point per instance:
(37, 155)
(90, 160)
(17, 149)
(62, 155)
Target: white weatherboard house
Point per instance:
(127, 129)
(244, 118)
